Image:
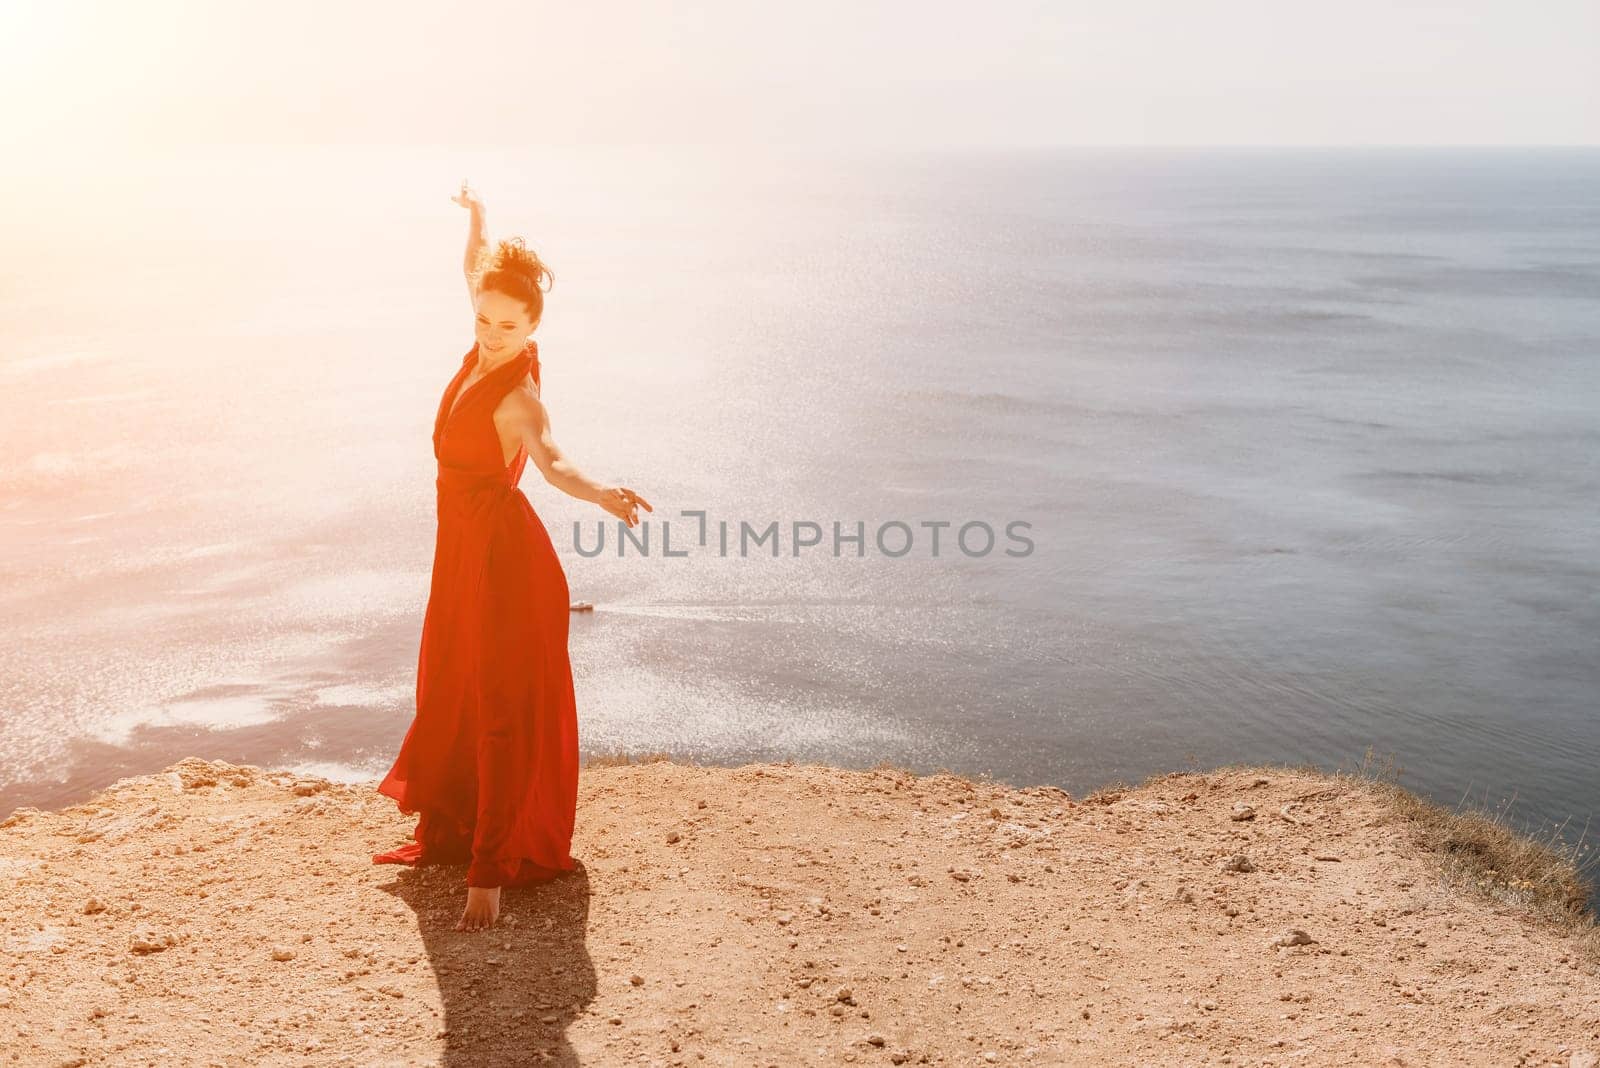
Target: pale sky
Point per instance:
(77, 74)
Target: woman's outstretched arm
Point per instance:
(477, 232)
(522, 418)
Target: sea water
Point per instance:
(1282, 455)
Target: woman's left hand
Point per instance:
(623, 503)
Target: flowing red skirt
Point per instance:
(490, 761)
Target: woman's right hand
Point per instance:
(468, 197)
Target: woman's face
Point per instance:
(503, 325)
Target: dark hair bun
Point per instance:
(514, 269)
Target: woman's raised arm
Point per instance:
(477, 233)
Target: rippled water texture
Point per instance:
(1305, 441)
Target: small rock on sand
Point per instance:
(148, 941)
(1294, 936)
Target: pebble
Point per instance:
(1294, 936)
(151, 942)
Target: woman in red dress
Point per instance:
(490, 760)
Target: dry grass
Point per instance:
(1481, 850)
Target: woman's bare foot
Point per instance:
(483, 908)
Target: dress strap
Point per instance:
(496, 384)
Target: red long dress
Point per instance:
(491, 758)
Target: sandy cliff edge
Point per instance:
(779, 914)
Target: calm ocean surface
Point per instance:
(1307, 443)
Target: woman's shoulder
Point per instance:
(521, 402)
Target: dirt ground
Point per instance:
(774, 914)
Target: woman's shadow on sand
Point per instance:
(509, 991)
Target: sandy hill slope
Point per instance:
(778, 914)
